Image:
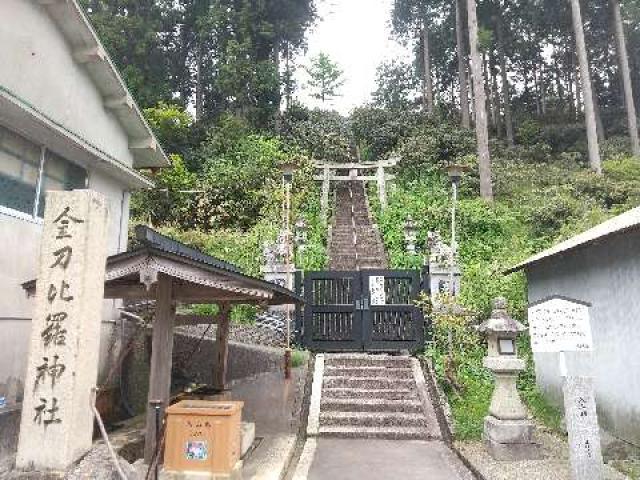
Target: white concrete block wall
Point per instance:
(38, 68)
(20, 239)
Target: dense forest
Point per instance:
(535, 96)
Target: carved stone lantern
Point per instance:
(508, 432)
(301, 234)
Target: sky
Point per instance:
(355, 34)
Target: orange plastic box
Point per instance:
(203, 436)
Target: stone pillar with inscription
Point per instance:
(57, 421)
(582, 425)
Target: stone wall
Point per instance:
(9, 430)
(195, 362)
(607, 275)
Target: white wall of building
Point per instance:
(38, 68)
(20, 240)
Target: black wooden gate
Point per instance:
(368, 310)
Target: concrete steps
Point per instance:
(371, 396)
(351, 221)
(369, 371)
(399, 433)
(372, 419)
(371, 405)
(366, 393)
(362, 360)
(380, 383)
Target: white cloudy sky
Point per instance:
(356, 35)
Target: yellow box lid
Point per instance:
(205, 408)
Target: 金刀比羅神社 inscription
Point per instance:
(57, 421)
(54, 333)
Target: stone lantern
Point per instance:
(508, 432)
(410, 235)
(300, 234)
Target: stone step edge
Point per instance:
(367, 368)
(400, 381)
(372, 401)
(373, 392)
(394, 433)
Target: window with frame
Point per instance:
(28, 171)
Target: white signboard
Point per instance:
(560, 325)
(376, 291)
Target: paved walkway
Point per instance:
(349, 459)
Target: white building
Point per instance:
(67, 121)
(601, 267)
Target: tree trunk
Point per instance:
(579, 108)
(488, 89)
(590, 117)
(625, 73)
(496, 93)
(596, 108)
(482, 132)
(536, 89)
(506, 93)
(462, 65)
(543, 88)
(427, 81)
(277, 119)
(288, 86)
(199, 87)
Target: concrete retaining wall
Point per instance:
(245, 360)
(9, 430)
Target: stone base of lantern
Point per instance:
(511, 440)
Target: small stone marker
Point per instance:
(582, 425)
(57, 421)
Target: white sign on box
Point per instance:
(376, 291)
(560, 325)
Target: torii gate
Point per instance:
(328, 175)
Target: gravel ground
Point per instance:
(554, 466)
(98, 465)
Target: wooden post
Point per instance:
(222, 349)
(382, 186)
(161, 359)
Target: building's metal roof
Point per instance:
(88, 51)
(625, 222)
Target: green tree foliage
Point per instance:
(325, 77)
(321, 134)
(221, 56)
(132, 33)
(397, 85)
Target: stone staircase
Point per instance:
(374, 396)
(355, 242)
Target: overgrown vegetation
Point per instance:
(224, 193)
(542, 196)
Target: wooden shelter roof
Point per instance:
(197, 277)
